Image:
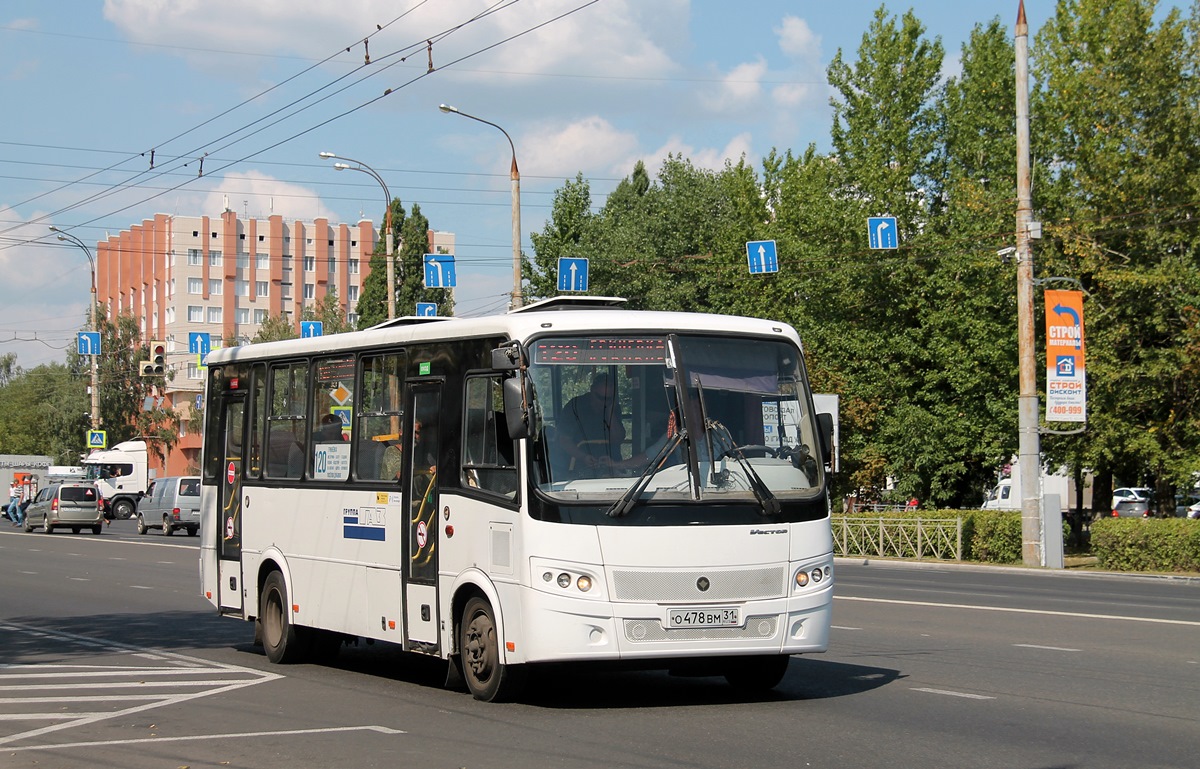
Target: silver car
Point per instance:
(171, 503)
(66, 505)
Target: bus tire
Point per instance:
(123, 509)
(487, 678)
(282, 641)
(757, 674)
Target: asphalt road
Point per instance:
(110, 658)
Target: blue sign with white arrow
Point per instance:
(762, 257)
(439, 271)
(426, 309)
(89, 342)
(572, 274)
(310, 328)
(199, 343)
(882, 233)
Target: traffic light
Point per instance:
(157, 365)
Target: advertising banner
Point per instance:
(1066, 380)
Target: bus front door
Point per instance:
(229, 517)
(421, 503)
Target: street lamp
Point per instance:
(391, 262)
(516, 202)
(68, 237)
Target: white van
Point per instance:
(171, 503)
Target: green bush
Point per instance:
(1147, 544)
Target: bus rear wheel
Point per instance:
(283, 642)
(757, 674)
(487, 678)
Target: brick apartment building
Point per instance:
(224, 275)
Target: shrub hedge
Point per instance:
(1147, 544)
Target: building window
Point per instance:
(352, 294)
(352, 318)
(310, 263)
(193, 371)
(214, 286)
(195, 314)
(243, 261)
(262, 288)
(195, 285)
(353, 266)
(262, 261)
(170, 315)
(214, 257)
(242, 287)
(195, 257)
(332, 265)
(310, 291)
(214, 314)
(260, 317)
(242, 314)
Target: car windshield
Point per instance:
(679, 417)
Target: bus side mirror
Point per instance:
(825, 435)
(516, 407)
(506, 358)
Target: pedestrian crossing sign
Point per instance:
(97, 439)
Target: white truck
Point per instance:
(121, 474)
(1006, 495)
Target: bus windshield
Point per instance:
(685, 417)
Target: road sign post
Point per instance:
(882, 233)
(311, 328)
(762, 257)
(572, 274)
(439, 271)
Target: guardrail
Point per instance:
(938, 538)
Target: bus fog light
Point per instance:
(817, 574)
(801, 578)
(564, 580)
(584, 583)
(547, 576)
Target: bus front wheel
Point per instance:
(487, 678)
(282, 641)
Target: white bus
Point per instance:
(570, 481)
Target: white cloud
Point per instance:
(562, 150)
(260, 195)
(739, 89)
(796, 39)
(618, 37)
(705, 157)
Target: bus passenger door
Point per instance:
(421, 504)
(229, 516)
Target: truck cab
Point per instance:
(121, 475)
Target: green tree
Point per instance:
(1118, 155)
(567, 227)
(276, 328)
(329, 312)
(410, 277)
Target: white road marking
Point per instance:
(1011, 610)
(843, 627)
(1047, 648)
(231, 736)
(949, 693)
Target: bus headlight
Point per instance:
(801, 578)
(584, 583)
(564, 580)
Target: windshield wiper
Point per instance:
(630, 498)
(766, 498)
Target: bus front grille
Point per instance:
(649, 630)
(706, 585)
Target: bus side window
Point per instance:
(488, 451)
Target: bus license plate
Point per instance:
(721, 616)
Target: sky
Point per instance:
(257, 89)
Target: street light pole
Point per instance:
(515, 175)
(389, 238)
(68, 237)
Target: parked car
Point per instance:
(170, 503)
(73, 505)
(1131, 502)
(1193, 511)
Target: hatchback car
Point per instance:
(72, 505)
(1131, 502)
(170, 503)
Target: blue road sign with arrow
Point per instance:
(572, 274)
(439, 271)
(310, 328)
(199, 343)
(89, 342)
(881, 232)
(762, 256)
(426, 309)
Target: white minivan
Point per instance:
(171, 503)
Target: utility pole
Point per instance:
(1029, 452)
